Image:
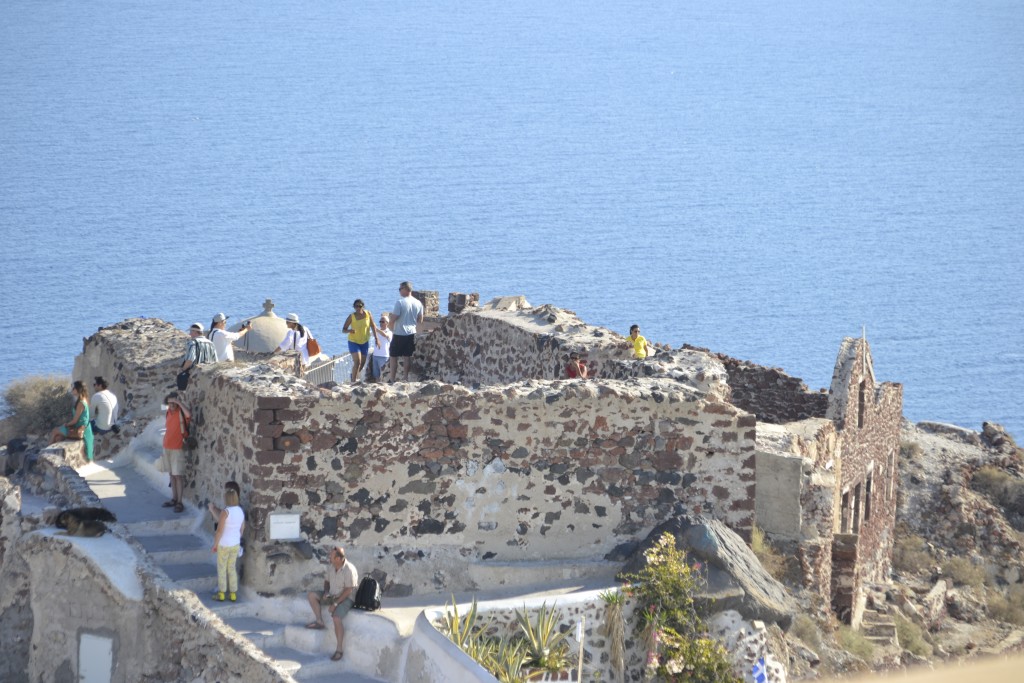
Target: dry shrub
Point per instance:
(1003, 489)
(912, 637)
(910, 552)
(910, 450)
(773, 563)
(964, 572)
(806, 630)
(1008, 606)
(37, 404)
(856, 643)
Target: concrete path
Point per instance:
(178, 544)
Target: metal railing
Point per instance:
(337, 369)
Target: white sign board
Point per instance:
(284, 526)
(95, 658)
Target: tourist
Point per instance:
(576, 368)
(338, 595)
(358, 325)
(226, 544)
(222, 338)
(104, 408)
(214, 510)
(382, 351)
(173, 459)
(78, 428)
(199, 350)
(296, 340)
(641, 349)
(407, 314)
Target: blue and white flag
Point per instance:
(760, 672)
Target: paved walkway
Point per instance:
(179, 546)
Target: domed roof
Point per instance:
(267, 331)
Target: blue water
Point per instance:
(759, 178)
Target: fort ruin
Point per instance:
(493, 457)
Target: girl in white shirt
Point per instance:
(226, 544)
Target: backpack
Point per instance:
(368, 595)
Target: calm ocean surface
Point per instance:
(759, 178)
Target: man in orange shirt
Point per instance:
(173, 458)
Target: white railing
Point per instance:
(337, 369)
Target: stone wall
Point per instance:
(491, 346)
(158, 634)
(139, 358)
(16, 618)
(769, 393)
(429, 478)
(868, 415)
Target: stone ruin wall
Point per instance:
(769, 393)
(139, 358)
(426, 479)
(868, 446)
(53, 590)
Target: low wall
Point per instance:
(431, 478)
(100, 588)
(769, 393)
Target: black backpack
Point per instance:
(368, 595)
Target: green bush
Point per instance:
(1008, 606)
(910, 552)
(912, 637)
(964, 572)
(37, 404)
(668, 623)
(856, 643)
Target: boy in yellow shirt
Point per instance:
(641, 349)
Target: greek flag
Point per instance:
(760, 672)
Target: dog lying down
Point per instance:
(85, 522)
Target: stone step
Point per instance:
(196, 577)
(293, 661)
(176, 548)
(879, 630)
(262, 633)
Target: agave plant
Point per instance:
(508, 658)
(461, 630)
(545, 644)
(615, 630)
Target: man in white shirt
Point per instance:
(104, 407)
(382, 349)
(222, 338)
(338, 596)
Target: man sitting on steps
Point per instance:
(339, 594)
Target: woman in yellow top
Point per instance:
(359, 325)
(641, 349)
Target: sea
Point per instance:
(759, 178)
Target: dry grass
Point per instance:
(964, 572)
(910, 450)
(912, 637)
(1007, 606)
(36, 404)
(856, 643)
(910, 552)
(806, 630)
(772, 561)
(1003, 489)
